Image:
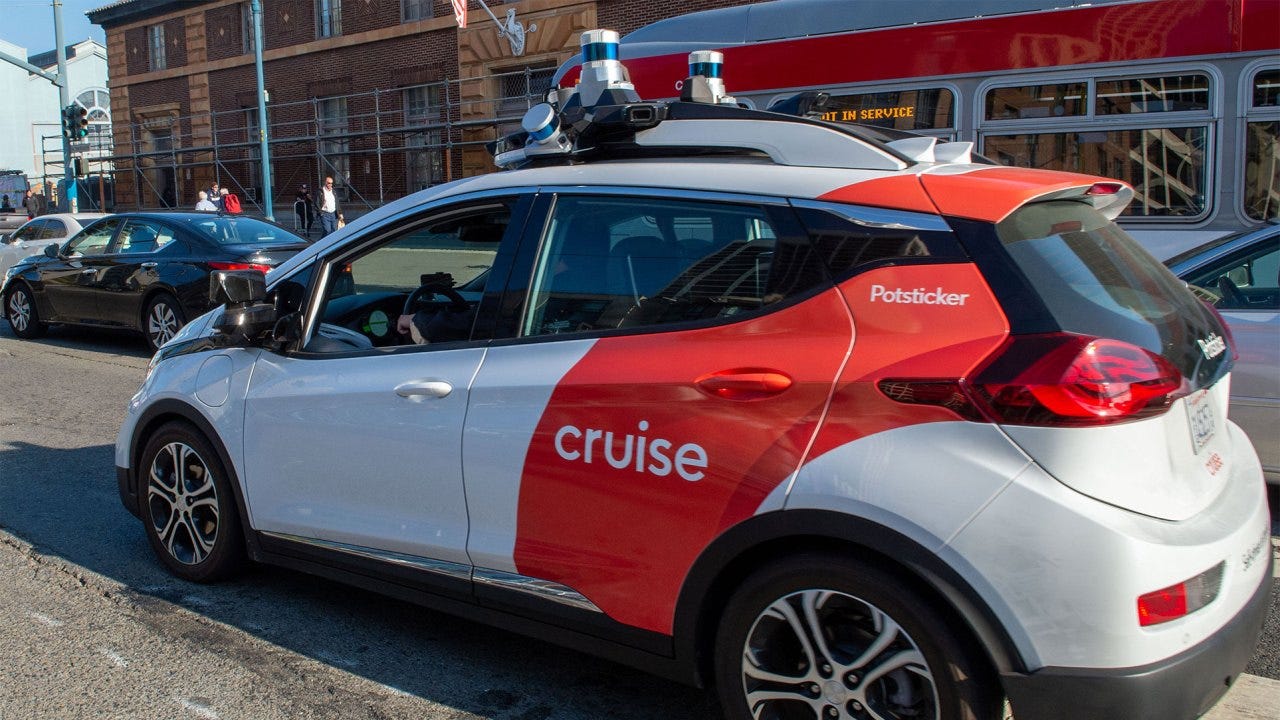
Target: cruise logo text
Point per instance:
(656, 456)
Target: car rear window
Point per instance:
(1096, 280)
(241, 231)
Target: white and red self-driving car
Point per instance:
(845, 424)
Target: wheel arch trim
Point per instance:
(168, 409)
(763, 538)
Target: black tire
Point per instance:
(188, 509)
(162, 319)
(928, 672)
(21, 312)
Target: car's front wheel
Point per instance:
(188, 508)
(824, 637)
(163, 320)
(20, 310)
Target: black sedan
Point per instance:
(144, 271)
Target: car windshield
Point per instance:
(241, 231)
(1201, 249)
(1095, 280)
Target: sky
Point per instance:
(29, 23)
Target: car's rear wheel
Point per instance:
(188, 508)
(163, 319)
(824, 637)
(20, 310)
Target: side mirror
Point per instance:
(246, 315)
(51, 251)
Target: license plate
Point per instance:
(1201, 419)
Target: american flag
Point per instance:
(460, 12)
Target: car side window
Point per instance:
(627, 262)
(431, 273)
(53, 229)
(30, 231)
(93, 240)
(139, 237)
(849, 246)
(1244, 281)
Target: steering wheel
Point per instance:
(1231, 295)
(430, 290)
(417, 300)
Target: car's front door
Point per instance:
(670, 363)
(353, 441)
(68, 280)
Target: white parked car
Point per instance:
(842, 423)
(1240, 275)
(36, 234)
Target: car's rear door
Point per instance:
(129, 268)
(657, 381)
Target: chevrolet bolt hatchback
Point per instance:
(844, 424)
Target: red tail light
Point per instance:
(218, 265)
(1055, 379)
(1103, 189)
(1182, 599)
(1064, 379)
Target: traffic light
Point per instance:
(75, 122)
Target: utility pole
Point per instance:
(255, 8)
(64, 99)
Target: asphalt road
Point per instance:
(92, 627)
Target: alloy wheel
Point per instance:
(19, 310)
(826, 655)
(182, 500)
(162, 323)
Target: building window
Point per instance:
(1262, 147)
(424, 154)
(328, 18)
(98, 102)
(155, 35)
(246, 27)
(334, 144)
(411, 10)
(519, 90)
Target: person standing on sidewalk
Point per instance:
(330, 209)
(31, 204)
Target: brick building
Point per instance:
(388, 96)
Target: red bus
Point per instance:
(1179, 98)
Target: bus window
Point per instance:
(1262, 148)
(1166, 93)
(1166, 166)
(1037, 101)
(917, 110)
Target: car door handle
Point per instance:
(88, 271)
(424, 388)
(744, 383)
(148, 265)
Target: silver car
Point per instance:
(1240, 275)
(38, 233)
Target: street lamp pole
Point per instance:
(64, 99)
(264, 147)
